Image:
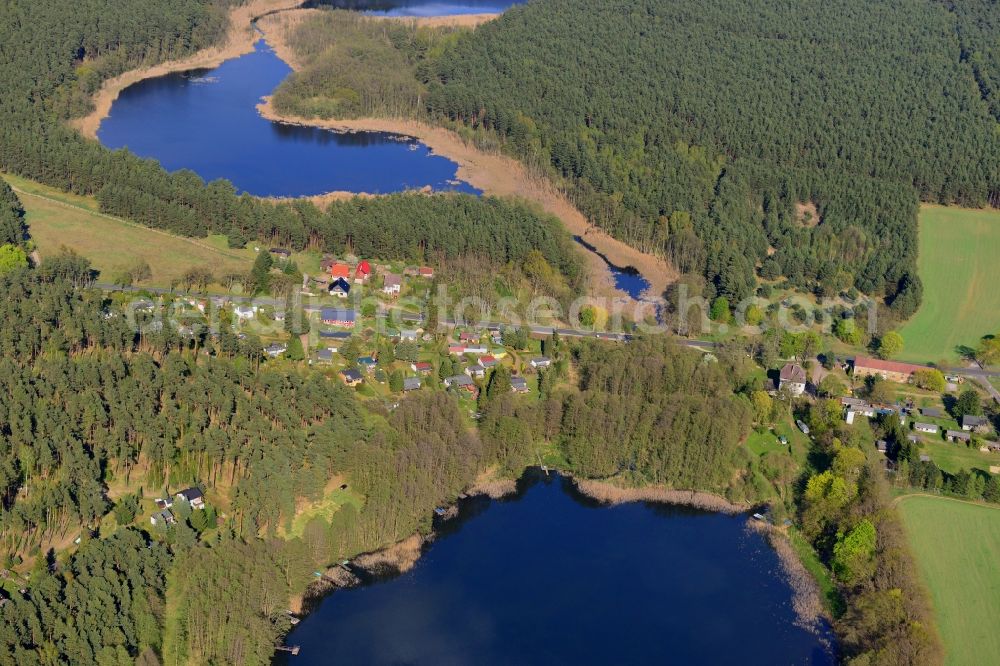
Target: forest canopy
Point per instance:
(703, 130)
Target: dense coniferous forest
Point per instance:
(695, 129)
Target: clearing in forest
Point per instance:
(956, 545)
(56, 219)
(958, 266)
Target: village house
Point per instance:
(957, 436)
(892, 371)
(930, 412)
(338, 317)
(163, 503)
(476, 371)
(974, 423)
(882, 446)
(456, 349)
(928, 428)
(426, 272)
(275, 349)
(408, 335)
(460, 381)
(244, 312)
(192, 496)
(340, 288)
(280, 253)
(392, 284)
(367, 362)
(351, 376)
(162, 518)
(792, 379)
(324, 356)
(340, 270)
(334, 339)
(487, 361)
(541, 362)
(423, 367)
(362, 272)
(411, 383)
(518, 384)
(469, 336)
(476, 351)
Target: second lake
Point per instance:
(207, 121)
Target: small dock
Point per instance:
(292, 649)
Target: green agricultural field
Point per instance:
(956, 545)
(958, 265)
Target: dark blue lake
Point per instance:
(550, 577)
(207, 121)
(419, 7)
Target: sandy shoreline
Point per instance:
(502, 176)
(609, 493)
(240, 39)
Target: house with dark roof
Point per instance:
(275, 349)
(957, 436)
(792, 379)
(411, 383)
(162, 518)
(324, 356)
(460, 381)
(351, 376)
(340, 288)
(929, 428)
(476, 371)
(367, 362)
(930, 412)
(280, 253)
(518, 384)
(392, 284)
(971, 422)
(338, 317)
(192, 496)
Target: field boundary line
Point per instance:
(895, 502)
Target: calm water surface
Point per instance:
(207, 121)
(552, 578)
(419, 7)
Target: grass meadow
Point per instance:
(958, 264)
(956, 545)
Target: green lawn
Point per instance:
(956, 546)
(954, 458)
(957, 263)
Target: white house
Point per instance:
(244, 312)
(792, 379)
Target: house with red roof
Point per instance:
(892, 371)
(362, 272)
(340, 270)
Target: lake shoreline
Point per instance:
(400, 557)
(240, 39)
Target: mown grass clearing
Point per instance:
(956, 545)
(957, 263)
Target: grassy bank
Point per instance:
(957, 264)
(956, 545)
(57, 219)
